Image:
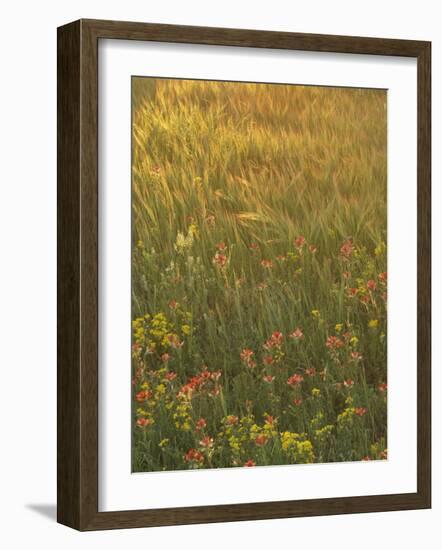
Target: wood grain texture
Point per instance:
(424, 274)
(252, 38)
(77, 223)
(68, 276)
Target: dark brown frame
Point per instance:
(77, 459)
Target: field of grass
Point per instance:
(258, 274)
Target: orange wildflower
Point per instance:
(295, 380)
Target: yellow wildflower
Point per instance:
(345, 419)
(324, 433)
(380, 249)
(160, 389)
(299, 451)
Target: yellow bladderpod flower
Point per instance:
(373, 323)
(380, 249)
(317, 420)
(300, 451)
(160, 389)
(345, 419)
(234, 443)
(324, 433)
(185, 329)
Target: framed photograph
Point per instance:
(232, 207)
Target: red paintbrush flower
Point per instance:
(295, 380)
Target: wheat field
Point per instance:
(259, 274)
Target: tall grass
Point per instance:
(258, 210)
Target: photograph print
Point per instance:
(259, 274)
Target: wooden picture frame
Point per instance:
(77, 461)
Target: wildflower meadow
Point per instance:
(259, 274)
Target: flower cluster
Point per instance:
(205, 381)
(158, 335)
(302, 408)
